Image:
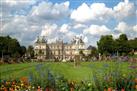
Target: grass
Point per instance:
(82, 72)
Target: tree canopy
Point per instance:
(108, 45)
(10, 47)
(30, 51)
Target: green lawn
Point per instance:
(83, 72)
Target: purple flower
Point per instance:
(133, 67)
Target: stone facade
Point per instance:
(57, 50)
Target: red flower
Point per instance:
(11, 89)
(13, 83)
(122, 89)
(47, 89)
(24, 80)
(38, 89)
(110, 89)
(135, 80)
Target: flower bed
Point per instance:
(59, 83)
(44, 79)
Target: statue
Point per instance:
(77, 56)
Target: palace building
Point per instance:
(58, 50)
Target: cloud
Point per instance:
(20, 28)
(49, 29)
(97, 30)
(123, 27)
(82, 13)
(79, 26)
(27, 19)
(24, 27)
(135, 28)
(93, 12)
(99, 11)
(11, 7)
(54, 32)
(50, 11)
(124, 9)
(64, 28)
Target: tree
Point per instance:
(123, 37)
(30, 51)
(106, 45)
(9, 47)
(22, 50)
(133, 44)
(94, 52)
(122, 45)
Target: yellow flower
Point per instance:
(29, 87)
(2, 85)
(22, 84)
(136, 86)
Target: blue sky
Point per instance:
(27, 19)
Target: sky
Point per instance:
(62, 19)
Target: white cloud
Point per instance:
(20, 28)
(78, 26)
(50, 11)
(25, 20)
(97, 30)
(99, 11)
(69, 35)
(54, 32)
(64, 28)
(124, 9)
(135, 28)
(95, 11)
(24, 27)
(49, 29)
(130, 31)
(10, 7)
(122, 27)
(17, 2)
(82, 13)
(126, 1)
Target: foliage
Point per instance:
(109, 46)
(10, 47)
(106, 44)
(94, 52)
(133, 44)
(30, 51)
(122, 45)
